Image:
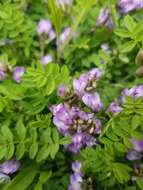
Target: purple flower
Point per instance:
(62, 117)
(4, 178)
(63, 3)
(104, 18)
(80, 84)
(89, 140)
(138, 145)
(46, 59)
(63, 91)
(76, 167)
(93, 101)
(18, 73)
(65, 34)
(86, 80)
(114, 108)
(97, 126)
(126, 6)
(139, 91)
(44, 26)
(76, 178)
(77, 143)
(2, 75)
(133, 155)
(134, 92)
(9, 167)
(94, 74)
(52, 34)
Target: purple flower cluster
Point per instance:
(71, 120)
(104, 18)
(126, 6)
(17, 72)
(76, 177)
(45, 27)
(134, 92)
(7, 168)
(77, 124)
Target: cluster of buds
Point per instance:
(17, 72)
(135, 153)
(76, 178)
(126, 6)
(104, 18)
(71, 120)
(7, 168)
(134, 92)
(45, 27)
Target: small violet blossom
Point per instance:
(76, 178)
(86, 80)
(2, 75)
(93, 101)
(104, 19)
(62, 91)
(114, 108)
(138, 145)
(44, 26)
(7, 168)
(133, 155)
(126, 6)
(18, 73)
(46, 59)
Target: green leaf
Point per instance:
(44, 176)
(20, 150)
(130, 23)
(65, 141)
(123, 33)
(128, 46)
(50, 86)
(53, 150)
(38, 186)
(120, 147)
(136, 119)
(33, 150)
(20, 129)
(55, 135)
(43, 153)
(139, 183)
(6, 132)
(23, 179)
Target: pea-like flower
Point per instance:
(44, 26)
(76, 178)
(18, 73)
(126, 6)
(138, 145)
(133, 155)
(114, 108)
(104, 18)
(2, 75)
(9, 167)
(93, 101)
(62, 91)
(46, 59)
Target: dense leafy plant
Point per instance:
(71, 94)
